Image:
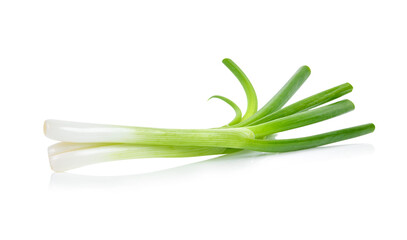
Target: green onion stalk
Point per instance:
(82, 144)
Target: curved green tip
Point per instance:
(238, 112)
(305, 68)
(371, 127)
(350, 105)
(349, 86)
(226, 60)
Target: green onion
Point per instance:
(222, 137)
(85, 143)
(81, 154)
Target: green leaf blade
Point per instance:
(308, 103)
(302, 119)
(238, 112)
(287, 145)
(247, 86)
(282, 96)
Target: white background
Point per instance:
(155, 63)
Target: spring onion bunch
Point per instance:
(85, 143)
